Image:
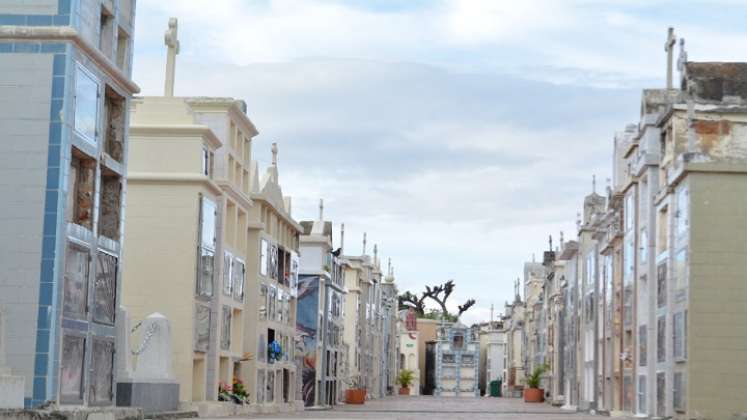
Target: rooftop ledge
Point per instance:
(69, 34)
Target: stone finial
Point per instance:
(364, 243)
(389, 267)
(172, 43)
(321, 209)
(550, 240)
(274, 150)
(561, 239)
(376, 254)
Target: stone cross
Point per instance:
(669, 48)
(172, 44)
(274, 154)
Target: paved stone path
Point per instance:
(432, 408)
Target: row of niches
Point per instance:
(82, 191)
(465, 359)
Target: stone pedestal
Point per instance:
(151, 385)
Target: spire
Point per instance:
(321, 209)
(274, 154)
(364, 243)
(550, 240)
(561, 239)
(389, 267)
(376, 254)
(342, 239)
(172, 43)
(594, 184)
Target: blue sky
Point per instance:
(458, 134)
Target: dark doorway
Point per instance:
(430, 368)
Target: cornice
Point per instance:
(171, 130)
(174, 178)
(70, 34)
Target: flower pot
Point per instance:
(355, 396)
(404, 391)
(534, 395)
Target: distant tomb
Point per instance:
(457, 362)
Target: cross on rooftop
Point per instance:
(669, 48)
(172, 42)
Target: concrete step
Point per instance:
(169, 415)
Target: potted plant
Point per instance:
(533, 393)
(356, 394)
(404, 380)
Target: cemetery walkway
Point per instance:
(435, 408)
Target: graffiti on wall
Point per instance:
(306, 331)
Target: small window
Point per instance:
(114, 129)
(263, 245)
(110, 204)
(86, 105)
(642, 394)
(76, 282)
(683, 214)
(679, 335)
(263, 296)
(661, 399)
(105, 290)
(678, 391)
(661, 285)
(642, 345)
(202, 328)
(123, 51)
(102, 372)
(71, 367)
(227, 287)
(238, 273)
(680, 275)
(661, 341)
(225, 337)
(81, 184)
(206, 248)
(106, 32)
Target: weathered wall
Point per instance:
(25, 97)
(717, 318)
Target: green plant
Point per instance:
(533, 380)
(405, 378)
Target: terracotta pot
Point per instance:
(404, 391)
(534, 395)
(355, 396)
